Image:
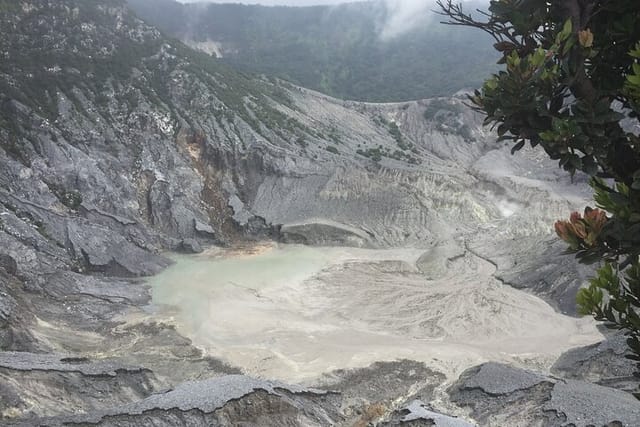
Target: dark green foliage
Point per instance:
(439, 106)
(397, 135)
(445, 116)
(9, 6)
(41, 70)
(241, 93)
(15, 149)
(70, 198)
(374, 154)
(336, 50)
(395, 132)
(332, 149)
(27, 217)
(44, 66)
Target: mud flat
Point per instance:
(294, 312)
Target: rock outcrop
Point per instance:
(417, 414)
(603, 363)
(502, 395)
(224, 400)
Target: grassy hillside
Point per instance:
(337, 50)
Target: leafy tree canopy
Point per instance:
(571, 85)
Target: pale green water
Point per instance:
(200, 286)
(293, 312)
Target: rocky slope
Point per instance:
(117, 144)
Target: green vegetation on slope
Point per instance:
(94, 65)
(336, 50)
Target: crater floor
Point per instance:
(294, 312)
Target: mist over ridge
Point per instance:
(378, 51)
(402, 15)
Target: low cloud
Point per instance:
(400, 15)
(405, 15)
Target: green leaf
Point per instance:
(568, 45)
(566, 29)
(634, 79)
(518, 146)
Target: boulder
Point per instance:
(204, 229)
(190, 246)
(8, 264)
(499, 394)
(103, 251)
(603, 363)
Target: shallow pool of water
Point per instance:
(201, 286)
(294, 312)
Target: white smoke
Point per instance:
(405, 15)
(401, 15)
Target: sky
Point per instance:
(273, 2)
